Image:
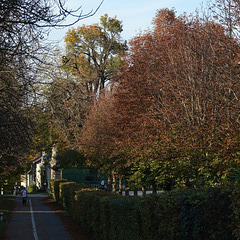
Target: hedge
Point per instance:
(120, 218)
(87, 210)
(206, 214)
(160, 216)
(54, 188)
(235, 214)
(177, 215)
(67, 193)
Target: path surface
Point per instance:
(35, 221)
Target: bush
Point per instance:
(54, 188)
(6, 205)
(160, 216)
(87, 210)
(120, 218)
(67, 193)
(31, 188)
(217, 215)
(192, 214)
(235, 210)
(180, 214)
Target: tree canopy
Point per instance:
(174, 112)
(22, 28)
(94, 55)
(163, 112)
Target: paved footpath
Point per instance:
(35, 221)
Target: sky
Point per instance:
(136, 15)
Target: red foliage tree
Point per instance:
(175, 107)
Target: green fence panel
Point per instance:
(86, 176)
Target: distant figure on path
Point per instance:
(24, 196)
(16, 189)
(102, 185)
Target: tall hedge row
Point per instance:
(177, 215)
(120, 217)
(55, 188)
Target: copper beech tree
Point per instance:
(174, 112)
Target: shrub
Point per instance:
(180, 214)
(235, 209)
(160, 216)
(192, 204)
(206, 214)
(54, 188)
(31, 188)
(217, 215)
(87, 210)
(120, 218)
(67, 193)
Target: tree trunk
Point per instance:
(143, 191)
(109, 185)
(113, 182)
(120, 185)
(154, 188)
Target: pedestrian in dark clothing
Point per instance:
(24, 196)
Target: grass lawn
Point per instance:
(6, 203)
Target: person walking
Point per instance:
(24, 196)
(102, 186)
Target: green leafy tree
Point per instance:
(94, 53)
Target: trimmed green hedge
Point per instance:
(180, 214)
(206, 214)
(67, 193)
(88, 211)
(161, 216)
(54, 188)
(235, 213)
(120, 218)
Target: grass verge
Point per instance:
(6, 204)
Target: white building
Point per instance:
(44, 168)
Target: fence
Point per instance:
(87, 176)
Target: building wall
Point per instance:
(23, 179)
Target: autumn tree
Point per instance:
(94, 56)
(94, 53)
(205, 91)
(176, 103)
(15, 121)
(226, 13)
(193, 81)
(100, 139)
(192, 104)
